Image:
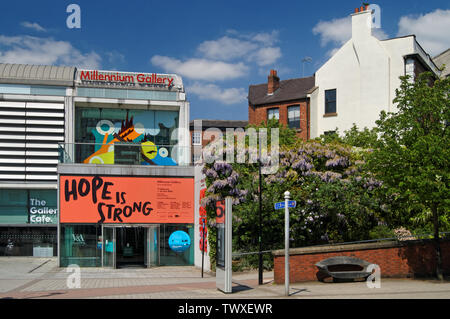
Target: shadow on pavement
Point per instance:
(298, 291)
(240, 287)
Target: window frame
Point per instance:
(196, 138)
(326, 110)
(273, 109)
(297, 106)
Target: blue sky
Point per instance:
(218, 47)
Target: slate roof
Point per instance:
(292, 89)
(443, 58)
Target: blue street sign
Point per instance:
(280, 205)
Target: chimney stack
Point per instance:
(362, 23)
(273, 82)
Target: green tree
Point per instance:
(365, 138)
(287, 136)
(412, 154)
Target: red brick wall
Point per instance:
(258, 114)
(408, 260)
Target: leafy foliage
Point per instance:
(357, 186)
(413, 151)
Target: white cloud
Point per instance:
(266, 38)
(229, 57)
(226, 48)
(35, 26)
(336, 31)
(250, 47)
(332, 52)
(44, 51)
(266, 56)
(431, 30)
(115, 58)
(213, 92)
(200, 69)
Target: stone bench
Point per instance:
(342, 268)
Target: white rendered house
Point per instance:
(360, 80)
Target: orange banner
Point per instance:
(106, 199)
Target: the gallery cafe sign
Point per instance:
(121, 79)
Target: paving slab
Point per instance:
(32, 278)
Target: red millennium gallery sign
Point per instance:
(106, 199)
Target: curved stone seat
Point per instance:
(343, 267)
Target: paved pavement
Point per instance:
(31, 278)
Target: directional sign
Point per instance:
(281, 205)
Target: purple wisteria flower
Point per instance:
(223, 168)
(337, 161)
(371, 183)
(211, 173)
(233, 179)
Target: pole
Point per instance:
(260, 266)
(286, 242)
(203, 244)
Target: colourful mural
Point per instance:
(135, 134)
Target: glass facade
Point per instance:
(169, 256)
(28, 206)
(123, 136)
(125, 245)
(81, 245)
(28, 241)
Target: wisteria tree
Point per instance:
(336, 199)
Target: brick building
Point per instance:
(285, 100)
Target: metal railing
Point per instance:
(146, 153)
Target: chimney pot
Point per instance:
(356, 10)
(367, 7)
(362, 8)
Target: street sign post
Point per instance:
(286, 205)
(286, 241)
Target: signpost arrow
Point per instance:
(282, 205)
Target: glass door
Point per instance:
(152, 251)
(109, 247)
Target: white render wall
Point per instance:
(365, 73)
